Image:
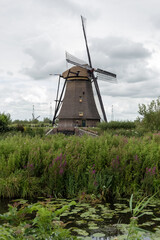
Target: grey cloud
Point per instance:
(119, 51)
(47, 58)
(10, 73)
(148, 89)
(126, 58)
(121, 48)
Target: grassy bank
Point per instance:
(70, 166)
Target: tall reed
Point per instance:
(67, 166)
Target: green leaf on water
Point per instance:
(65, 214)
(81, 232)
(146, 224)
(99, 235)
(92, 224)
(92, 210)
(156, 219)
(85, 215)
(83, 205)
(93, 228)
(126, 210)
(120, 205)
(107, 215)
(79, 222)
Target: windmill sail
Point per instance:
(106, 77)
(76, 61)
(79, 103)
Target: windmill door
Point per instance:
(83, 123)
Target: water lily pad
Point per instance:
(76, 210)
(83, 204)
(93, 210)
(120, 205)
(79, 222)
(126, 210)
(146, 224)
(93, 227)
(79, 208)
(107, 216)
(81, 232)
(88, 215)
(148, 213)
(92, 223)
(65, 214)
(99, 235)
(85, 215)
(103, 205)
(104, 209)
(94, 216)
(99, 219)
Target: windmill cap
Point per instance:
(76, 72)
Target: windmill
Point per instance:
(78, 106)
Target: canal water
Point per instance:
(104, 221)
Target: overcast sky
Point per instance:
(123, 37)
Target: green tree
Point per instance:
(150, 114)
(5, 120)
(47, 120)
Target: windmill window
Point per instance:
(80, 99)
(80, 114)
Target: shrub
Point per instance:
(34, 221)
(117, 125)
(5, 120)
(150, 115)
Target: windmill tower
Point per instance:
(78, 106)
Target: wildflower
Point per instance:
(61, 171)
(31, 165)
(125, 140)
(95, 183)
(154, 170)
(93, 171)
(27, 226)
(50, 165)
(136, 157)
(58, 157)
(151, 171)
(64, 164)
(115, 162)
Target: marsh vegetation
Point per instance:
(123, 160)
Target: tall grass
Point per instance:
(117, 125)
(69, 166)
